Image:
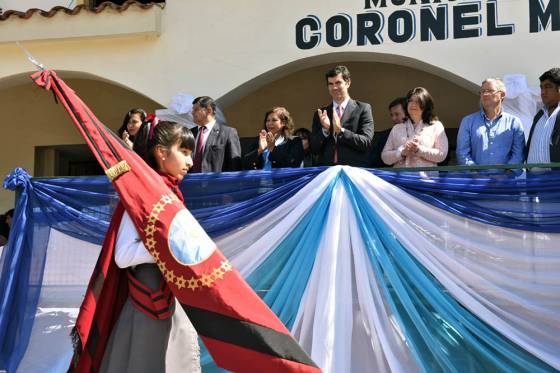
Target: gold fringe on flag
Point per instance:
(117, 170)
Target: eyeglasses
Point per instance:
(488, 91)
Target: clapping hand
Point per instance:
(262, 141)
(324, 119)
(337, 127)
(270, 141)
(410, 147)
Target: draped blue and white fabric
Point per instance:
(372, 270)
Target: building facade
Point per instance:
(252, 55)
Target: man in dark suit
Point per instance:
(342, 131)
(217, 146)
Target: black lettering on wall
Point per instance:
(368, 28)
(540, 18)
(462, 17)
(376, 4)
(339, 30)
(494, 28)
(433, 23)
(425, 2)
(306, 35)
(401, 26)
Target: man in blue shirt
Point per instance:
(490, 136)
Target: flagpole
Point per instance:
(30, 57)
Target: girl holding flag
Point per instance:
(150, 334)
(239, 330)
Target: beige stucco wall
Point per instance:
(213, 48)
(31, 118)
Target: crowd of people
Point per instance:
(342, 132)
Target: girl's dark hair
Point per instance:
(4, 227)
(285, 118)
(426, 104)
(130, 113)
(165, 134)
(303, 133)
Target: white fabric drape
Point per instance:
(521, 100)
(249, 246)
(343, 320)
(508, 278)
(68, 267)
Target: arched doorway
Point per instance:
(301, 88)
(38, 135)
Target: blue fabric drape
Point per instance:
(82, 207)
(220, 189)
(241, 197)
(281, 278)
(442, 334)
(20, 285)
(528, 202)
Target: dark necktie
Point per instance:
(197, 162)
(339, 113)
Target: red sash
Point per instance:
(157, 305)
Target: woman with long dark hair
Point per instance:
(421, 140)
(131, 125)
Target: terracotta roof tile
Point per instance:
(57, 9)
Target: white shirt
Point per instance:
(207, 131)
(129, 248)
(279, 141)
(539, 151)
(343, 106)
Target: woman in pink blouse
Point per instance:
(421, 140)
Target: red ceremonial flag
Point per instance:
(241, 333)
